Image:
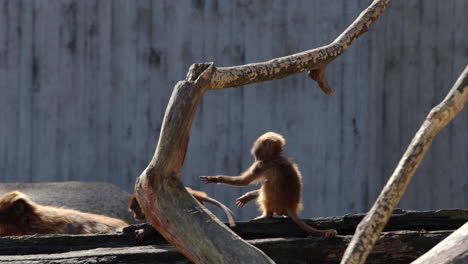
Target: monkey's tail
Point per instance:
(308, 228)
(227, 211)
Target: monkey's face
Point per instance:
(15, 212)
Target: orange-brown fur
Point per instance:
(202, 197)
(199, 195)
(21, 216)
(281, 190)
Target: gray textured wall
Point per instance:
(84, 85)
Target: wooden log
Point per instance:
(452, 250)
(450, 219)
(394, 247)
(117, 255)
(447, 219)
(47, 244)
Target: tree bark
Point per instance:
(369, 229)
(452, 250)
(171, 210)
(447, 219)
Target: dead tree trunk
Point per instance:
(452, 250)
(172, 211)
(369, 229)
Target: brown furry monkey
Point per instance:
(20, 216)
(281, 190)
(202, 197)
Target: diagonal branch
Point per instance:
(372, 225)
(186, 224)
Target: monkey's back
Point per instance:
(52, 220)
(282, 188)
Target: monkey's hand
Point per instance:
(242, 201)
(209, 179)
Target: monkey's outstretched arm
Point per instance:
(252, 174)
(244, 199)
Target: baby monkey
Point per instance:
(202, 197)
(281, 190)
(20, 216)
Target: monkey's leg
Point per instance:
(267, 212)
(244, 199)
(265, 207)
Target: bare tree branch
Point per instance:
(278, 68)
(370, 227)
(172, 211)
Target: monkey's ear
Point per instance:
(20, 207)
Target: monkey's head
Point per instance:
(268, 146)
(134, 207)
(15, 207)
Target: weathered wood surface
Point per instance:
(368, 230)
(47, 244)
(118, 255)
(452, 250)
(449, 219)
(401, 220)
(394, 247)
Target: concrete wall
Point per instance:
(84, 86)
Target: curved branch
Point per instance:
(372, 225)
(182, 221)
(279, 68)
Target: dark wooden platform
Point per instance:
(408, 235)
